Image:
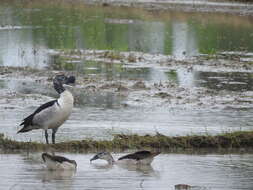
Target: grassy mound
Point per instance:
(235, 140)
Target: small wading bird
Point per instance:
(58, 162)
(52, 115)
(141, 157)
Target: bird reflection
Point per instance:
(144, 169)
(57, 175)
(102, 166)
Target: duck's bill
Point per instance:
(94, 158)
(62, 78)
(70, 80)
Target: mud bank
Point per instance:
(221, 81)
(241, 7)
(237, 140)
(166, 92)
(233, 7)
(115, 93)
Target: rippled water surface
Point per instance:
(98, 116)
(214, 172)
(28, 31)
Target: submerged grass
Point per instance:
(120, 142)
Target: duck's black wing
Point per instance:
(28, 121)
(137, 155)
(59, 159)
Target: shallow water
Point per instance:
(29, 31)
(99, 115)
(214, 172)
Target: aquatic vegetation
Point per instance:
(112, 55)
(114, 51)
(235, 140)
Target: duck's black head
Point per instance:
(101, 155)
(61, 79)
(45, 155)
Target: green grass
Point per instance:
(235, 140)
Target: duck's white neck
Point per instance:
(66, 98)
(110, 159)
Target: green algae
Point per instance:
(120, 142)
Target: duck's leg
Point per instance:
(46, 136)
(53, 135)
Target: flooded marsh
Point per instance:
(147, 76)
(139, 71)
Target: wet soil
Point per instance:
(223, 82)
(231, 7)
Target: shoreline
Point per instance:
(230, 7)
(243, 7)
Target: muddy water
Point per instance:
(99, 115)
(29, 31)
(213, 172)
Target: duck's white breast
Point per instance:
(54, 116)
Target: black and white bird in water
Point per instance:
(53, 114)
(143, 157)
(54, 162)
